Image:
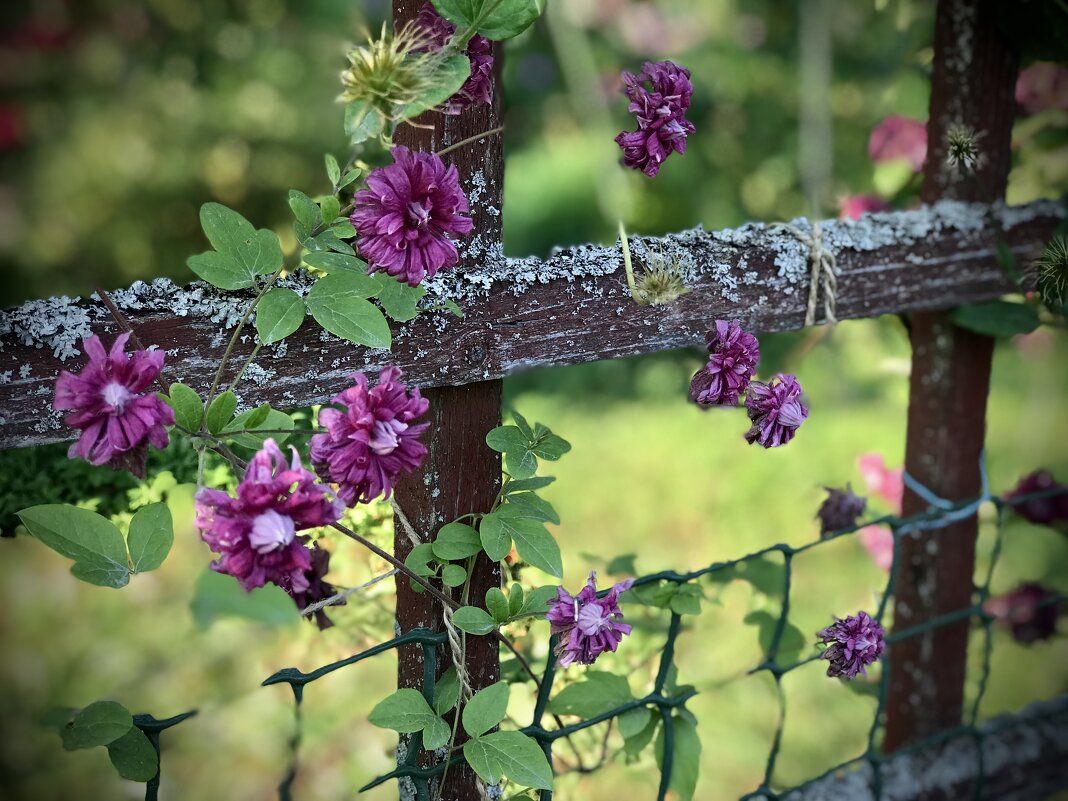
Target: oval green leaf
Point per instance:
(337, 305)
(278, 314)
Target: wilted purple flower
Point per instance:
(109, 403)
(406, 214)
(366, 447)
(318, 589)
(733, 356)
(478, 88)
(840, 509)
(856, 205)
(775, 409)
(1027, 611)
(586, 625)
(852, 645)
(660, 110)
(256, 532)
(1042, 511)
(899, 138)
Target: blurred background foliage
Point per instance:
(118, 119)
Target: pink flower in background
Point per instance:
(899, 138)
(775, 410)
(1028, 611)
(887, 484)
(478, 88)
(853, 207)
(733, 356)
(659, 110)
(255, 532)
(1035, 346)
(878, 541)
(1043, 85)
(366, 446)
(406, 216)
(110, 402)
(586, 625)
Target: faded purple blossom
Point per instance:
(660, 111)
(405, 216)
(733, 356)
(1047, 511)
(478, 88)
(852, 645)
(586, 626)
(318, 589)
(856, 205)
(1029, 611)
(110, 402)
(840, 509)
(366, 446)
(255, 533)
(775, 409)
(899, 138)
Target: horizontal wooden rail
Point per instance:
(524, 313)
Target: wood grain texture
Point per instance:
(524, 313)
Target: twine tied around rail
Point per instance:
(823, 263)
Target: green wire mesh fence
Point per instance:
(940, 513)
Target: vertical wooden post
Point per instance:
(972, 85)
(461, 473)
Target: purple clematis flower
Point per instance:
(255, 533)
(733, 356)
(109, 402)
(1047, 511)
(586, 625)
(478, 88)
(660, 111)
(318, 588)
(840, 509)
(367, 446)
(1029, 611)
(852, 645)
(405, 216)
(775, 409)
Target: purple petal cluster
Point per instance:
(1028, 611)
(367, 445)
(255, 533)
(586, 625)
(660, 109)
(318, 588)
(852, 645)
(775, 410)
(405, 216)
(733, 356)
(110, 402)
(840, 509)
(1041, 511)
(478, 88)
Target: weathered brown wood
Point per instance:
(521, 313)
(972, 85)
(1025, 758)
(461, 474)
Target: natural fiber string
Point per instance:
(341, 596)
(823, 262)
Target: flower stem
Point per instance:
(627, 264)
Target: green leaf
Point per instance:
(511, 754)
(535, 507)
(221, 411)
(257, 417)
(634, 744)
(278, 314)
(494, 19)
(436, 733)
(496, 540)
(363, 122)
(405, 711)
(349, 177)
(524, 484)
(419, 558)
(633, 721)
(450, 72)
(473, 620)
(537, 601)
(453, 575)
(133, 756)
(400, 301)
(599, 693)
(306, 212)
(766, 574)
(997, 318)
(58, 717)
(241, 430)
(342, 229)
(241, 252)
(497, 604)
(150, 538)
(452, 306)
(535, 545)
(551, 447)
(330, 207)
(342, 263)
(187, 405)
(520, 464)
(328, 240)
(333, 169)
(687, 758)
(486, 709)
(505, 439)
(92, 541)
(216, 595)
(447, 691)
(791, 644)
(687, 600)
(515, 599)
(99, 723)
(622, 565)
(336, 304)
(456, 541)
(523, 425)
